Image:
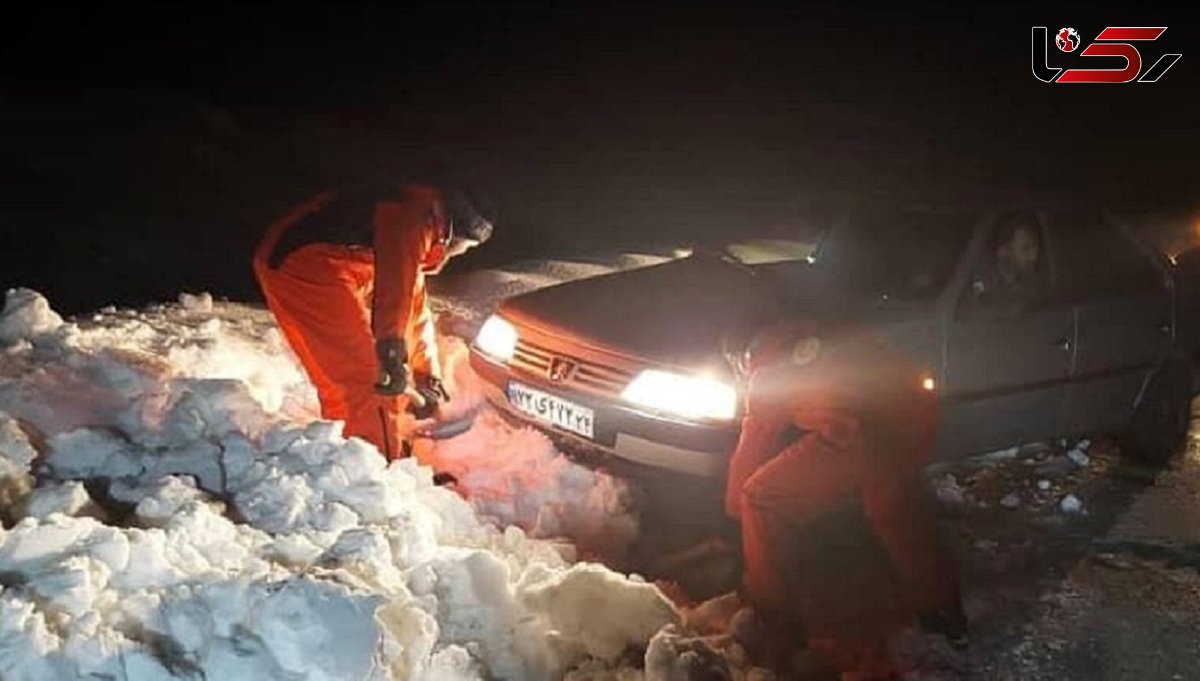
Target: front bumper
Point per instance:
(694, 448)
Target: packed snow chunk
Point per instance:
(16, 458)
(1071, 504)
(164, 499)
(453, 663)
(947, 490)
(195, 409)
(32, 544)
(476, 609)
(201, 303)
(200, 460)
(92, 452)
(326, 484)
(672, 656)
(235, 629)
(68, 498)
(26, 314)
(313, 629)
(997, 457)
(602, 610)
(14, 443)
(1079, 457)
(28, 647)
(412, 634)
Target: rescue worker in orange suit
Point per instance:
(344, 274)
(861, 422)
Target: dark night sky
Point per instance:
(145, 149)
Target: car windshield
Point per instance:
(905, 255)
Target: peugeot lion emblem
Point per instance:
(560, 369)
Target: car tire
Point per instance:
(1159, 426)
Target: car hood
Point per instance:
(675, 313)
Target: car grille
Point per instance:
(588, 375)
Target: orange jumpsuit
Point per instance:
(867, 430)
(333, 300)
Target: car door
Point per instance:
(1007, 347)
(1124, 319)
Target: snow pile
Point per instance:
(240, 538)
(126, 368)
(191, 599)
(173, 375)
(26, 314)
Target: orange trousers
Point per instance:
(836, 539)
(321, 297)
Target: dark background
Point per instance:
(145, 149)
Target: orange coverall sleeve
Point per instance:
(402, 238)
(422, 335)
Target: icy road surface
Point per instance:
(172, 508)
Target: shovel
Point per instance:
(440, 429)
(445, 430)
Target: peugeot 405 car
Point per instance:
(1030, 324)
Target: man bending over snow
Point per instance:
(344, 274)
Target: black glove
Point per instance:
(393, 366)
(432, 391)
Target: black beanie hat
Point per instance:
(470, 216)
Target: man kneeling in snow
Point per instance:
(344, 274)
(838, 541)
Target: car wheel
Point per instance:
(1160, 421)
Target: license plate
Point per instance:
(552, 409)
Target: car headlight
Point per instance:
(497, 339)
(693, 397)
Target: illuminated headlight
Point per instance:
(497, 339)
(692, 397)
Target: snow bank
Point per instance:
(242, 538)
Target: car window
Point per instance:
(1011, 275)
(907, 255)
(1096, 260)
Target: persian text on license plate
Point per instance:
(552, 409)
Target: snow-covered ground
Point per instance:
(173, 507)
